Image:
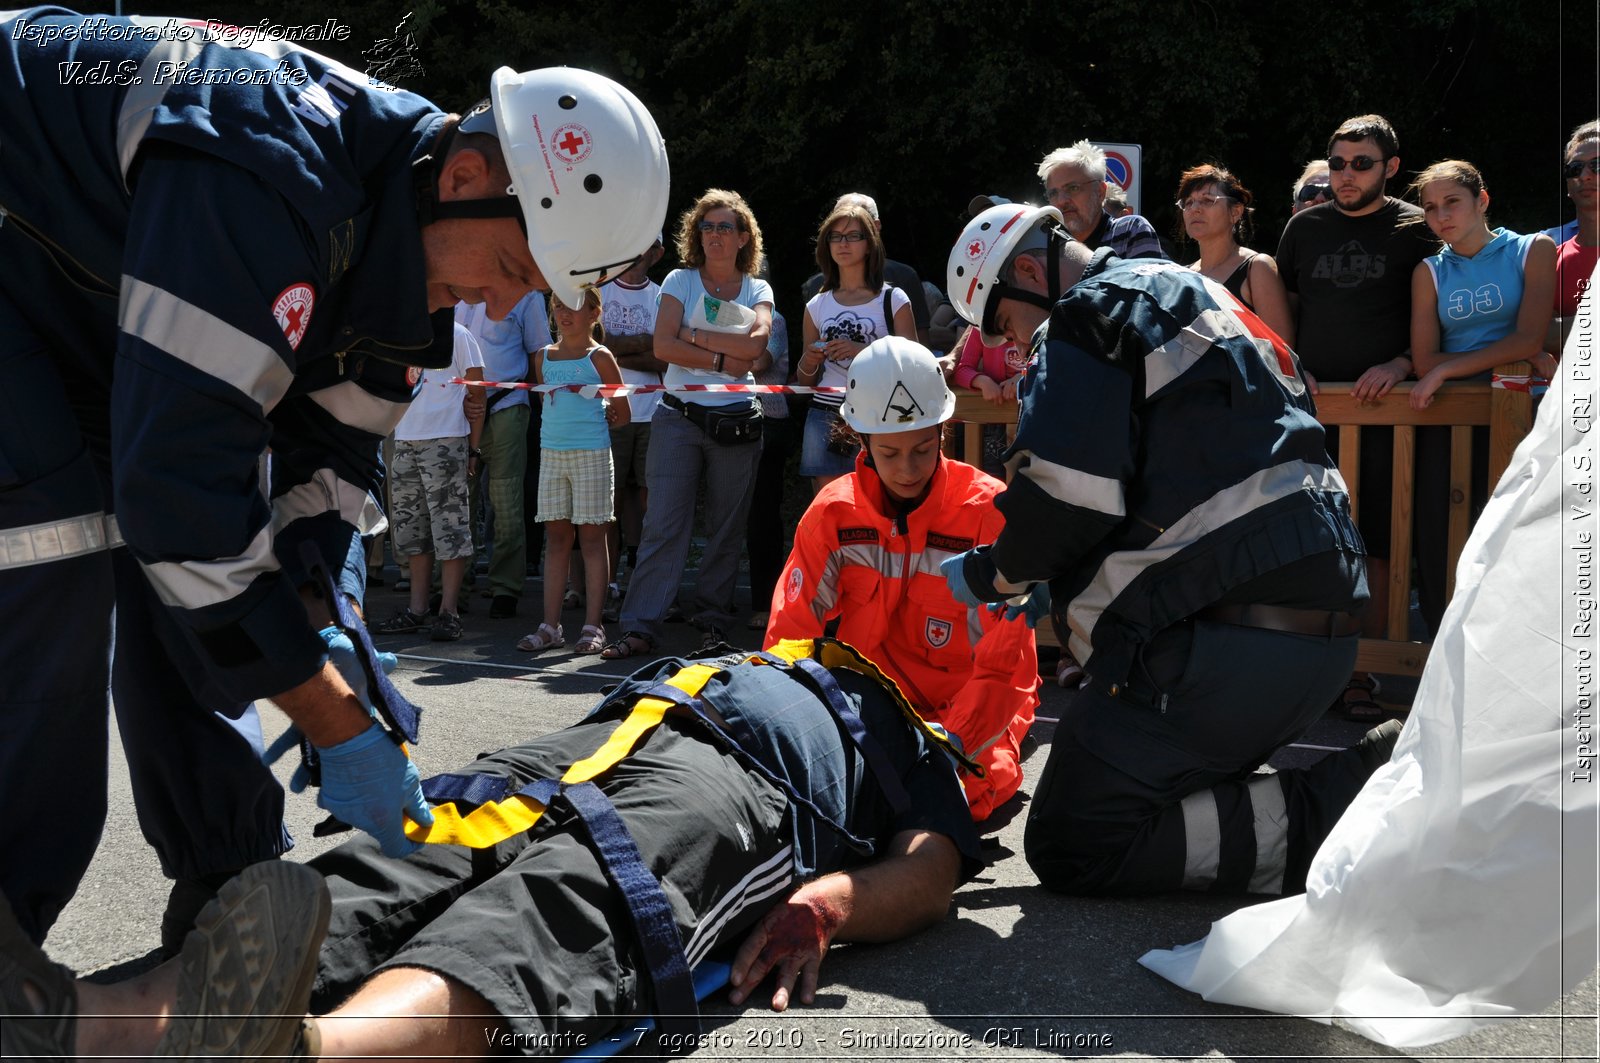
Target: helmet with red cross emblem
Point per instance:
(588, 167)
(988, 244)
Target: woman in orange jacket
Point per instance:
(868, 550)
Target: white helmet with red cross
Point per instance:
(588, 167)
(991, 240)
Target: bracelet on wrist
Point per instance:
(716, 361)
(474, 452)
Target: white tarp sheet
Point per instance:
(1459, 888)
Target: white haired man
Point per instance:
(1075, 184)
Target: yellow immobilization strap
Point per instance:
(831, 653)
(491, 822)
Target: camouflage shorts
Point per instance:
(428, 491)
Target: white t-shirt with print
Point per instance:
(861, 324)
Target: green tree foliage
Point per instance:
(923, 104)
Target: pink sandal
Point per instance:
(546, 638)
(593, 640)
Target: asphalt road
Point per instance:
(1013, 972)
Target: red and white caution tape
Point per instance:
(590, 391)
(1533, 384)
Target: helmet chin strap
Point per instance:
(1056, 241)
(430, 208)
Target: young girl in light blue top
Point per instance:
(575, 474)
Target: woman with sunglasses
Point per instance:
(853, 308)
(699, 434)
(1484, 299)
(1311, 188)
(1214, 210)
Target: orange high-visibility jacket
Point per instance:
(966, 669)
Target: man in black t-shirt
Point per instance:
(1347, 266)
(780, 807)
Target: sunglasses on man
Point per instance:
(1309, 192)
(1574, 169)
(1360, 164)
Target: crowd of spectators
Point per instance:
(1369, 288)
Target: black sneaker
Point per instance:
(401, 623)
(447, 628)
(504, 607)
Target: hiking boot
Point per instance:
(248, 966)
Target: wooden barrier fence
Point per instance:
(1460, 406)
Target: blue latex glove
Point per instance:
(1031, 607)
(955, 575)
(368, 781)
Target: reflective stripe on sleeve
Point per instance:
(326, 493)
(202, 340)
(352, 405)
(146, 93)
(1174, 358)
(197, 584)
(1271, 822)
(1202, 836)
(975, 625)
(1102, 494)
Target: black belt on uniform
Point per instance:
(1281, 618)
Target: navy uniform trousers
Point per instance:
(1155, 788)
(205, 801)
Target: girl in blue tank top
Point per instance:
(1484, 299)
(575, 474)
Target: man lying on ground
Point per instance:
(717, 787)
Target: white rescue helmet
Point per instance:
(588, 167)
(896, 385)
(990, 240)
